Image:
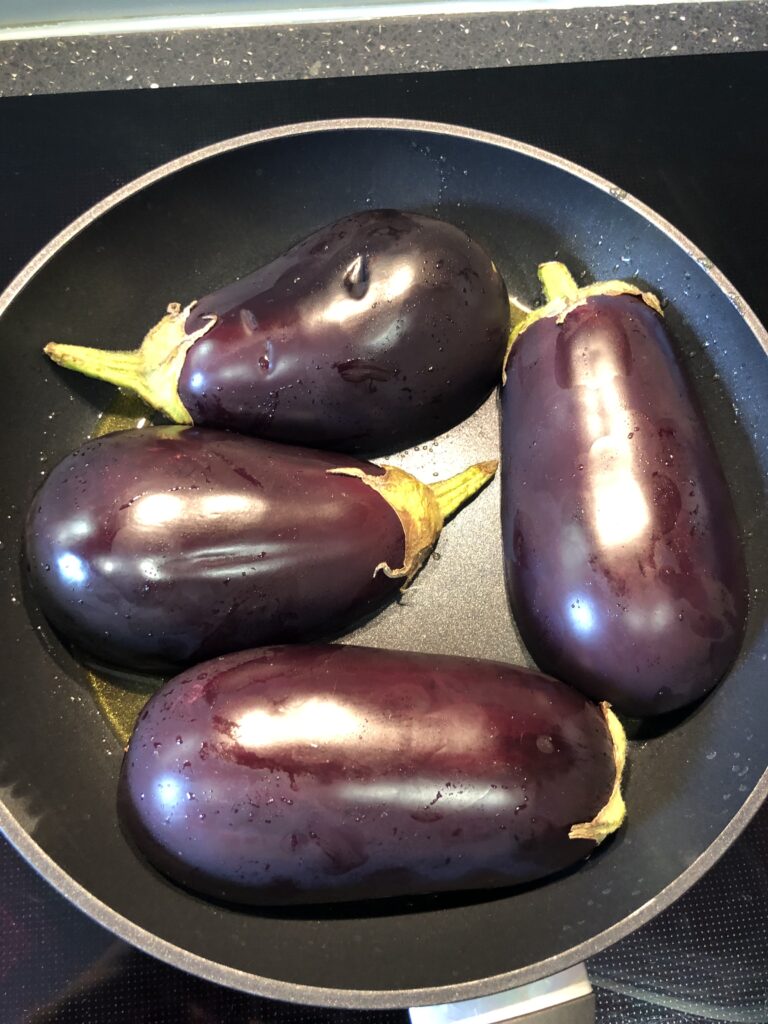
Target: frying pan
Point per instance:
(189, 227)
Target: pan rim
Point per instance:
(210, 970)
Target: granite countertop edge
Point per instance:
(370, 46)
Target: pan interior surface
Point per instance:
(215, 220)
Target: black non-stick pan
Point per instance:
(191, 226)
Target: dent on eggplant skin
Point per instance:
(306, 774)
(622, 556)
(159, 547)
(376, 332)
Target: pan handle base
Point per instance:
(563, 998)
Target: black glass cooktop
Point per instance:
(687, 136)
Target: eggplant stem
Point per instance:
(125, 369)
(152, 371)
(611, 816)
(414, 505)
(454, 492)
(558, 282)
(421, 508)
(563, 295)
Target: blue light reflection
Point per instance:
(72, 568)
(581, 613)
(168, 791)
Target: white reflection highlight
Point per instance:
(635, 618)
(74, 529)
(594, 419)
(601, 369)
(196, 381)
(387, 288)
(72, 568)
(159, 509)
(581, 614)
(227, 504)
(424, 796)
(311, 722)
(397, 282)
(656, 619)
(149, 569)
(620, 510)
(574, 548)
(156, 509)
(661, 616)
(168, 792)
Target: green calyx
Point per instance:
(152, 371)
(563, 295)
(421, 508)
(611, 816)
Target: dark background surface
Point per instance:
(686, 135)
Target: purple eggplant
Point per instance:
(164, 546)
(376, 332)
(623, 561)
(322, 773)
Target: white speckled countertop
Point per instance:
(325, 43)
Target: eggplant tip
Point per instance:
(488, 468)
(456, 491)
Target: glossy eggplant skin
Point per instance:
(324, 773)
(622, 554)
(160, 547)
(376, 332)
